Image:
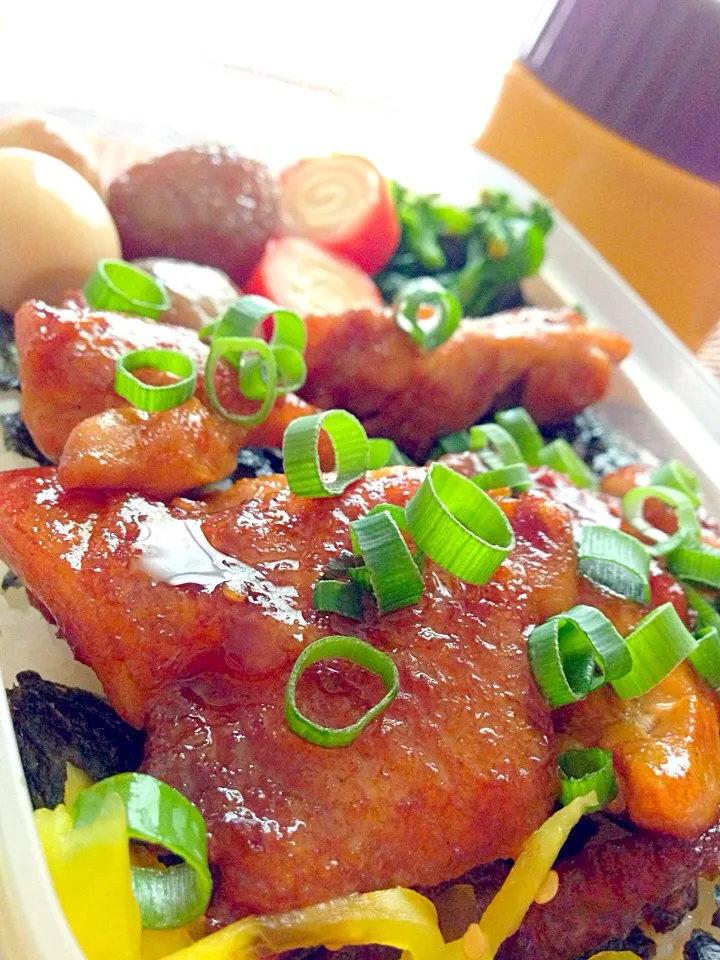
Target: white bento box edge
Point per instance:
(662, 372)
(32, 923)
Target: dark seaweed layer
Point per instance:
(18, 440)
(56, 725)
(9, 379)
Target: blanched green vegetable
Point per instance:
(477, 252)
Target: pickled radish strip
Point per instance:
(344, 204)
(304, 277)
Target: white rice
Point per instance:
(27, 641)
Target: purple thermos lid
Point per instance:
(648, 69)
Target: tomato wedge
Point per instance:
(300, 275)
(342, 203)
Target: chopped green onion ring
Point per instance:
(574, 653)
(288, 341)
(583, 771)
(235, 322)
(458, 526)
(337, 596)
(158, 814)
(117, 285)
(697, 564)
(706, 656)
(457, 442)
(503, 451)
(615, 560)
(706, 613)
(384, 453)
(232, 350)
(435, 330)
(302, 461)
(522, 428)
(291, 372)
(688, 531)
(396, 512)
(348, 648)
(360, 576)
(152, 398)
(658, 644)
(560, 456)
(674, 473)
(394, 575)
(243, 317)
(515, 476)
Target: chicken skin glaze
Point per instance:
(67, 370)
(361, 361)
(193, 613)
(549, 361)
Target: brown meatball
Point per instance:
(198, 294)
(207, 204)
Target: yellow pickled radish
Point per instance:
(76, 781)
(614, 955)
(157, 944)
(90, 868)
(397, 918)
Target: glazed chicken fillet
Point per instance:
(361, 361)
(460, 767)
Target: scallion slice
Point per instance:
(394, 576)
(688, 531)
(574, 653)
(697, 564)
(158, 814)
(337, 596)
(396, 512)
(117, 285)
(458, 526)
(616, 560)
(503, 451)
(361, 577)
(233, 349)
(288, 341)
(235, 322)
(145, 396)
(291, 372)
(658, 644)
(706, 612)
(384, 453)
(457, 442)
(706, 657)
(515, 476)
(521, 427)
(302, 461)
(443, 308)
(347, 648)
(560, 456)
(243, 317)
(674, 473)
(583, 771)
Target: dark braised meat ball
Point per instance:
(207, 204)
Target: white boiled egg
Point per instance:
(53, 228)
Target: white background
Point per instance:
(443, 59)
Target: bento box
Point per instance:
(661, 399)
